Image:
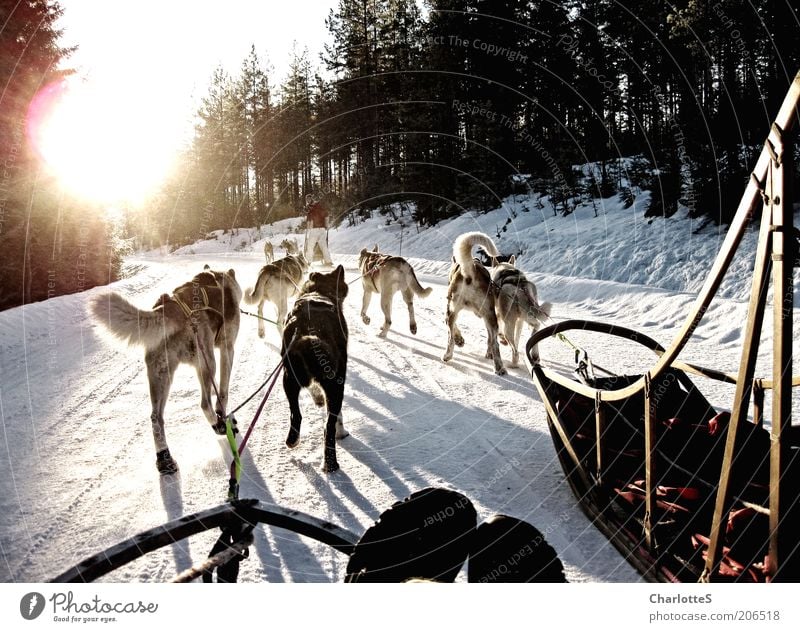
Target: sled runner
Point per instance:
(684, 491)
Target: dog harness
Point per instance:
(372, 272)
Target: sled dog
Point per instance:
(315, 356)
(182, 327)
(277, 283)
(387, 275)
(290, 246)
(471, 288)
(516, 303)
(269, 252)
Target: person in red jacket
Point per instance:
(316, 230)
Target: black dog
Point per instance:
(315, 356)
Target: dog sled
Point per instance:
(684, 491)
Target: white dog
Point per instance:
(182, 327)
(471, 288)
(388, 275)
(277, 283)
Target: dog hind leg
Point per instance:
(408, 297)
(493, 348)
(387, 296)
(225, 365)
(261, 318)
(511, 329)
(291, 387)
(334, 427)
(515, 343)
(451, 334)
(159, 375)
(206, 367)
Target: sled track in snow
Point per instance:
(59, 523)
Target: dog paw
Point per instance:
(501, 371)
(330, 466)
(293, 439)
(413, 328)
(365, 318)
(382, 333)
(458, 340)
(260, 333)
(165, 463)
(502, 339)
(447, 357)
(341, 433)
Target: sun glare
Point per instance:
(109, 145)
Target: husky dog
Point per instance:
(387, 275)
(269, 252)
(277, 282)
(182, 327)
(516, 303)
(290, 246)
(471, 288)
(315, 356)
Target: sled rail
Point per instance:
(245, 511)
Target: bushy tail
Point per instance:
(545, 309)
(131, 324)
(416, 287)
(255, 294)
(462, 250)
(540, 312)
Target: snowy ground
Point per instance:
(77, 472)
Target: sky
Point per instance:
(170, 49)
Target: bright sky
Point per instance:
(142, 67)
(169, 48)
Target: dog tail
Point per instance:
(540, 311)
(254, 294)
(416, 287)
(546, 308)
(135, 326)
(462, 250)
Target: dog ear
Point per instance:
(512, 259)
(232, 273)
(375, 249)
(363, 252)
(339, 272)
(206, 267)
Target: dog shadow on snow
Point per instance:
(432, 434)
(292, 545)
(517, 378)
(172, 497)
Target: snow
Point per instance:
(77, 472)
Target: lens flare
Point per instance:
(109, 144)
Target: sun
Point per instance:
(108, 144)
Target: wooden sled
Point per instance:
(684, 492)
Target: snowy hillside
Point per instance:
(78, 469)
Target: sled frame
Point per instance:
(245, 512)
